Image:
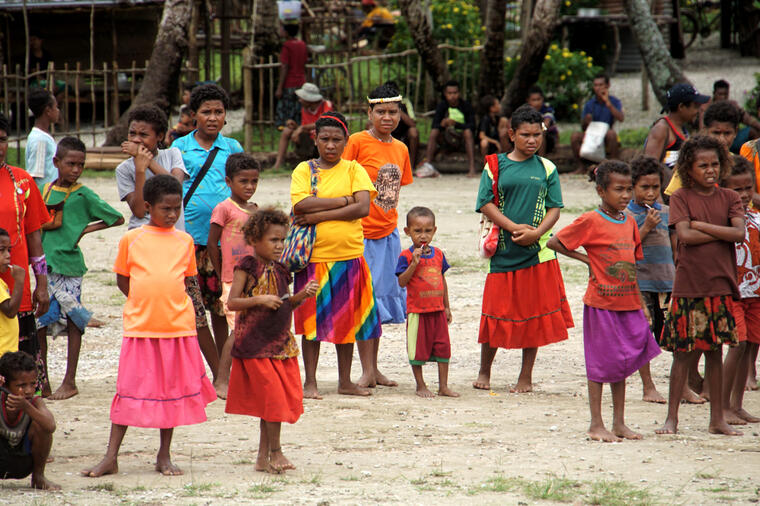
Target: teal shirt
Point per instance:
(526, 190)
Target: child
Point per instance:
(453, 125)
(491, 124)
(183, 127)
(746, 310)
(386, 160)
(40, 145)
(420, 269)
(524, 302)
(10, 301)
(227, 221)
(708, 220)
(83, 213)
(265, 380)
(26, 425)
(162, 381)
(551, 135)
(616, 338)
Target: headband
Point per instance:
(397, 98)
(330, 116)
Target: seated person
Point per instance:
(751, 130)
(537, 101)
(601, 107)
(493, 128)
(406, 131)
(312, 106)
(184, 126)
(453, 126)
(379, 22)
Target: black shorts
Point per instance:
(15, 461)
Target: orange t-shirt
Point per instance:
(389, 169)
(749, 150)
(157, 261)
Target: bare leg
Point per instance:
(714, 374)
(487, 355)
(689, 396)
(109, 464)
(223, 373)
(414, 145)
(310, 361)
(443, 381)
(737, 397)
(278, 463)
(208, 348)
(422, 389)
(41, 442)
(483, 148)
(525, 380)
(618, 412)
(221, 332)
(695, 380)
(366, 351)
(469, 147)
(576, 140)
(597, 431)
(42, 339)
(504, 142)
(612, 145)
(678, 373)
(68, 387)
(282, 148)
(345, 386)
(380, 378)
(752, 376)
(650, 391)
(164, 463)
(262, 459)
(432, 144)
(734, 358)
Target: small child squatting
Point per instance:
(421, 270)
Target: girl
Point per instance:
(617, 341)
(387, 162)
(708, 220)
(265, 380)
(335, 195)
(524, 303)
(162, 381)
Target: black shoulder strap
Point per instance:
(200, 176)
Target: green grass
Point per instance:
(617, 493)
(262, 490)
(196, 489)
(552, 489)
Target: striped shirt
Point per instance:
(656, 271)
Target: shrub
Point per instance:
(752, 102)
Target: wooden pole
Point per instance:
(192, 40)
(224, 27)
(248, 100)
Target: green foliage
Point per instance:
(752, 101)
(455, 22)
(565, 79)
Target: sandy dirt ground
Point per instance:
(485, 447)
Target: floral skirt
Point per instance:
(704, 324)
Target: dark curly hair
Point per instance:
(645, 165)
(688, 155)
(69, 144)
(258, 224)
(485, 104)
(207, 92)
(239, 162)
(739, 167)
(160, 185)
(525, 114)
(39, 100)
(724, 112)
(384, 91)
(14, 362)
(4, 233)
(152, 115)
(601, 175)
(327, 121)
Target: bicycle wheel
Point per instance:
(689, 27)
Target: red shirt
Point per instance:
(308, 117)
(613, 247)
(294, 53)
(426, 288)
(20, 214)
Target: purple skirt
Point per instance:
(616, 344)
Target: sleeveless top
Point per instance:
(14, 434)
(670, 152)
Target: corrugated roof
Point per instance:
(62, 4)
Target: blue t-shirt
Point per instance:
(212, 190)
(599, 111)
(40, 150)
(655, 273)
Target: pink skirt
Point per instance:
(161, 384)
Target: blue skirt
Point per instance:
(381, 256)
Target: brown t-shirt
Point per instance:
(705, 270)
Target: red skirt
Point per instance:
(526, 308)
(266, 388)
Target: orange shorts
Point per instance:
(747, 315)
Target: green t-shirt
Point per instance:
(81, 208)
(526, 190)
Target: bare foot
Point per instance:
(221, 389)
(652, 395)
(381, 379)
(166, 468)
(690, 397)
(602, 434)
(447, 392)
(723, 428)
(262, 463)
(623, 431)
(94, 323)
(424, 392)
(42, 483)
(353, 389)
(746, 416)
(670, 427)
(732, 417)
(521, 388)
(47, 392)
(106, 466)
(705, 394)
(366, 381)
(751, 384)
(279, 462)
(65, 391)
(482, 383)
(311, 392)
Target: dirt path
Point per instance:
(492, 448)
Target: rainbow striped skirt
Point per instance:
(344, 309)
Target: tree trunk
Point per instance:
(422, 35)
(165, 62)
(267, 29)
(492, 57)
(748, 28)
(536, 44)
(661, 67)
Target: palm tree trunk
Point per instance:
(492, 57)
(422, 34)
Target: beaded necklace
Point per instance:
(17, 190)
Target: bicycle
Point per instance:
(699, 17)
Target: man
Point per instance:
(751, 128)
(601, 107)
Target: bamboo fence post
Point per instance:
(248, 99)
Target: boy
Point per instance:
(301, 130)
(83, 213)
(293, 58)
(40, 146)
(183, 127)
(421, 270)
(453, 126)
(551, 135)
(9, 301)
(26, 425)
(601, 107)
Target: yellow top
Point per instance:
(8, 326)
